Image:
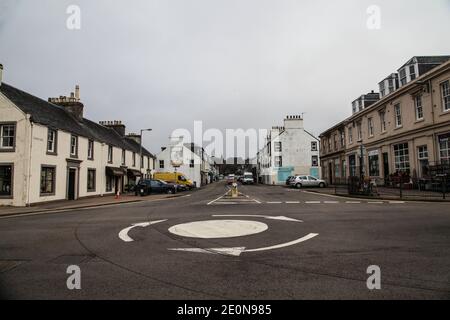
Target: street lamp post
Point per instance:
(140, 149)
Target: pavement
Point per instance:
(65, 205)
(277, 244)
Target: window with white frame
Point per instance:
(51, 141)
(342, 138)
(391, 85)
(7, 136)
(401, 157)
(277, 146)
(278, 161)
(73, 146)
(314, 161)
(124, 153)
(350, 135)
(161, 164)
(335, 142)
(403, 79)
(91, 150)
(398, 115)
(358, 129)
(382, 89)
(412, 72)
(370, 126)
(422, 152)
(110, 154)
(444, 148)
(134, 159)
(313, 145)
(445, 91)
(383, 120)
(418, 107)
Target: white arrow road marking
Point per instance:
(123, 234)
(283, 218)
(237, 251)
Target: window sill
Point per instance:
(51, 153)
(91, 190)
(383, 132)
(399, 127)
(73, 157)
(46, 194)
(6, 197)
(419, 120)
(8, 150)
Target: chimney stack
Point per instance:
(72, 104)
(1, 74)
(116, 125)
(134, 136)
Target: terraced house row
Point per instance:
(402, 130)
(49, 151)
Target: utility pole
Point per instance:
(141, 164)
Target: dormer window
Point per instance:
(412, 72)
(391, 85)
(382, 89)
(403, 79)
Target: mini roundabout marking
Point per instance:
(220, 229)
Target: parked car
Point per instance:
(221, 176)
(177, 179)
(247, 178)
(302, 181)
(147, 186)
(288, 180)
(231, 179)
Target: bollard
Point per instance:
(234, 190)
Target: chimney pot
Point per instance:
(77, 92)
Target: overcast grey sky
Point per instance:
(230, 63)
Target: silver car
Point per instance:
(304, 181)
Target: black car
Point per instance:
(288, 180)
(147, 186)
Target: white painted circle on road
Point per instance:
(218, 229)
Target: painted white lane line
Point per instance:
(211, 202)
(214, 229)
(278, 246)
(352, 201)
(123, 234)
(375, 202)
(330, 202)
(396, 202)
(292, 202)
(273, 202)
(312, 202)
(282, 218)
(237, 251)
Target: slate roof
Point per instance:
(54, 116)
(427, 60)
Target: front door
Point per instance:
(71, 186)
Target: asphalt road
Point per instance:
(410, 242)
